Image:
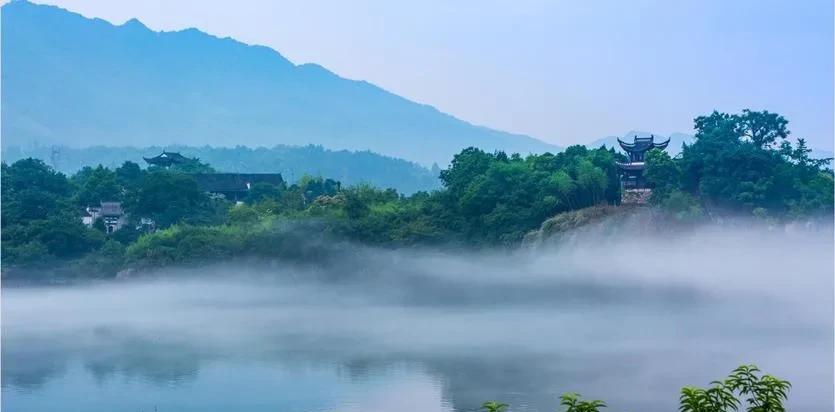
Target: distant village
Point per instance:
(229, 186)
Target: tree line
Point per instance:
(742, 163)
(349, 167)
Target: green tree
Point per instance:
(96, 185)
(128, 174)
(465, 167)
(243, 214)
(733, 165)
(663, 173)
(262, 191)
(592, 181)
(32, 190)
(168, 198)
(761, 128)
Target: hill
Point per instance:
(74, 81)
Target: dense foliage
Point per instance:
(740, 163)
(39, 220)
(744, 387)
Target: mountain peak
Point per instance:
(134, 23)
(193, 88)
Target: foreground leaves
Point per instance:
(745, 386)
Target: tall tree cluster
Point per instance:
(744, 162)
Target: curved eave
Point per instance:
(662, 145)
(625, 146)
(630, 166)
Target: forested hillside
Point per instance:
(292, 162)
(740, 165)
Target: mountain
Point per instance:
(291, 161)
(674, 148)
(74, 81)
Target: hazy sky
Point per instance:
(562, 71)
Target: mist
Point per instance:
(625, 316)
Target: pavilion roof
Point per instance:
(167, 157)
(642, 144)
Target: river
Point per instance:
(623, 318)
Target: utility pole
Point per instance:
(54, 155)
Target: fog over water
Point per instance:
(626, 318)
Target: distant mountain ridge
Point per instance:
(70, 80)
(291, 161)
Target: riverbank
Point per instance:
(315, 245)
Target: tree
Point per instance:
(313, 187)
(262, 191)
(128, 174)
(592, 181)
(168, 198)
(465, 166)
(96, 185)
(733, 165)
(64, 236)
(242, 214)
(32, 190)
(563, 186)
(39, 221)
(662, 173)
(761, 128)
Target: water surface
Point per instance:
(629, 320)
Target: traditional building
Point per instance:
(234, 186)
(167, 159)
(110, 213)
(634, 187)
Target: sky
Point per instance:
(562, 71)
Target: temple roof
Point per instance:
(166, 158)
(642, 144)
(111, 209)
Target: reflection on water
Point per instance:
(425, 331)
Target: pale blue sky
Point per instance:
(562, 71)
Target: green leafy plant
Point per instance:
(761, 393)
(717, 398)
(494, 406)
(573, 403)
